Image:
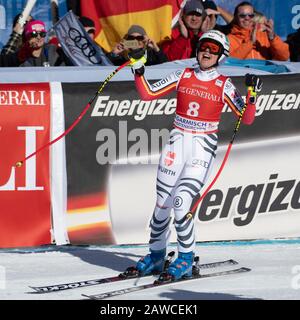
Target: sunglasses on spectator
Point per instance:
(211, 46)
(35, 34)
(138, 38)
(244, 15)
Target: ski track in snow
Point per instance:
(272, 277)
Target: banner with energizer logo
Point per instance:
(98, 185)
(113, 161)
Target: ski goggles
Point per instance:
(35, 34)
(213, 47)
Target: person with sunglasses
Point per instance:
(188, 156)
(39, 53)
(13, 54)
(248, 41)
(136, 38)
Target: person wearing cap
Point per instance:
(212, 13)
(136, 38)
(186, 33)
(247, 41)
(39, 53)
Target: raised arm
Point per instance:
(235, 101)
(158, 89)
(146, 90)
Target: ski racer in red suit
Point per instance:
(188, 156)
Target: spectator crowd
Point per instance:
(250, 33)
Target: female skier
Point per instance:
(188, 156)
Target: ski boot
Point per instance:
(182, 267)
(154, 262)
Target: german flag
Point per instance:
(114, 17)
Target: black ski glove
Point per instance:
(252, 80)
(254, 85)
(138, 58)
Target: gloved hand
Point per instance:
(138, 58)
(253, 81)
(254, 85)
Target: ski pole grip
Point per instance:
(252, 94)
(252, 91)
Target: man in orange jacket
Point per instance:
(247, 41)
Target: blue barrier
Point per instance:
(265, 65)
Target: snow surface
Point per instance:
(275, 272)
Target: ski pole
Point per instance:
(254, 85)
(77, 120)
(191, 213)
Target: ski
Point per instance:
(156, 284)
(120, 277)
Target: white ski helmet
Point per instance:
(218, 37)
